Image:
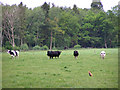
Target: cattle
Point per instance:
(102, 54)
(75, 54)
(65, 47)
(13, 53)
(52, 54)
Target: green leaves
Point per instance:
(86, 27)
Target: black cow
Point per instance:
(76, 54)
(65, 47)
(52, 54)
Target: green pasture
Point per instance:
(33, 69)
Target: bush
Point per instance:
(44, 47)
(77, 46)
(24, 47)
(54, 48)
(36, 47)
(8, 46)
(16, 48)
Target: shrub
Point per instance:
(24, 47)
(36, 47)
(8, 46)
(54, 48)
(77, 46)
(16, 48)
(44, 47)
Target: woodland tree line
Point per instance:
(59, 26)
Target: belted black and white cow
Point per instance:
(76, 54)
(13, 53)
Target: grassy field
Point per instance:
(33, 69)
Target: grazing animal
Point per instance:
(102, 54)
(90, 74)
(52, 54)
(17, 53)
(13, 53)
(75, 54)
(65, 47)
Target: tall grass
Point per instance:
(33, 69)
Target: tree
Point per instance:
(1, 25)
(46, 8)
(96, 30)
(60, 27)
(69, 23)
(112, 15)
(9, 17)
(36, 27)
(96, 4)
(54, 28)
(75, 9)
(21, 22)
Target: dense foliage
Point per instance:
(59, 26)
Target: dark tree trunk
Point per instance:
(110, 43)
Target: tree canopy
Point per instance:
(59, 26)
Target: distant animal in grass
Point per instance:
(13, 53)
(102, 54)
(52, 54)
(90, 74)
(75, 54)
(65, 47)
